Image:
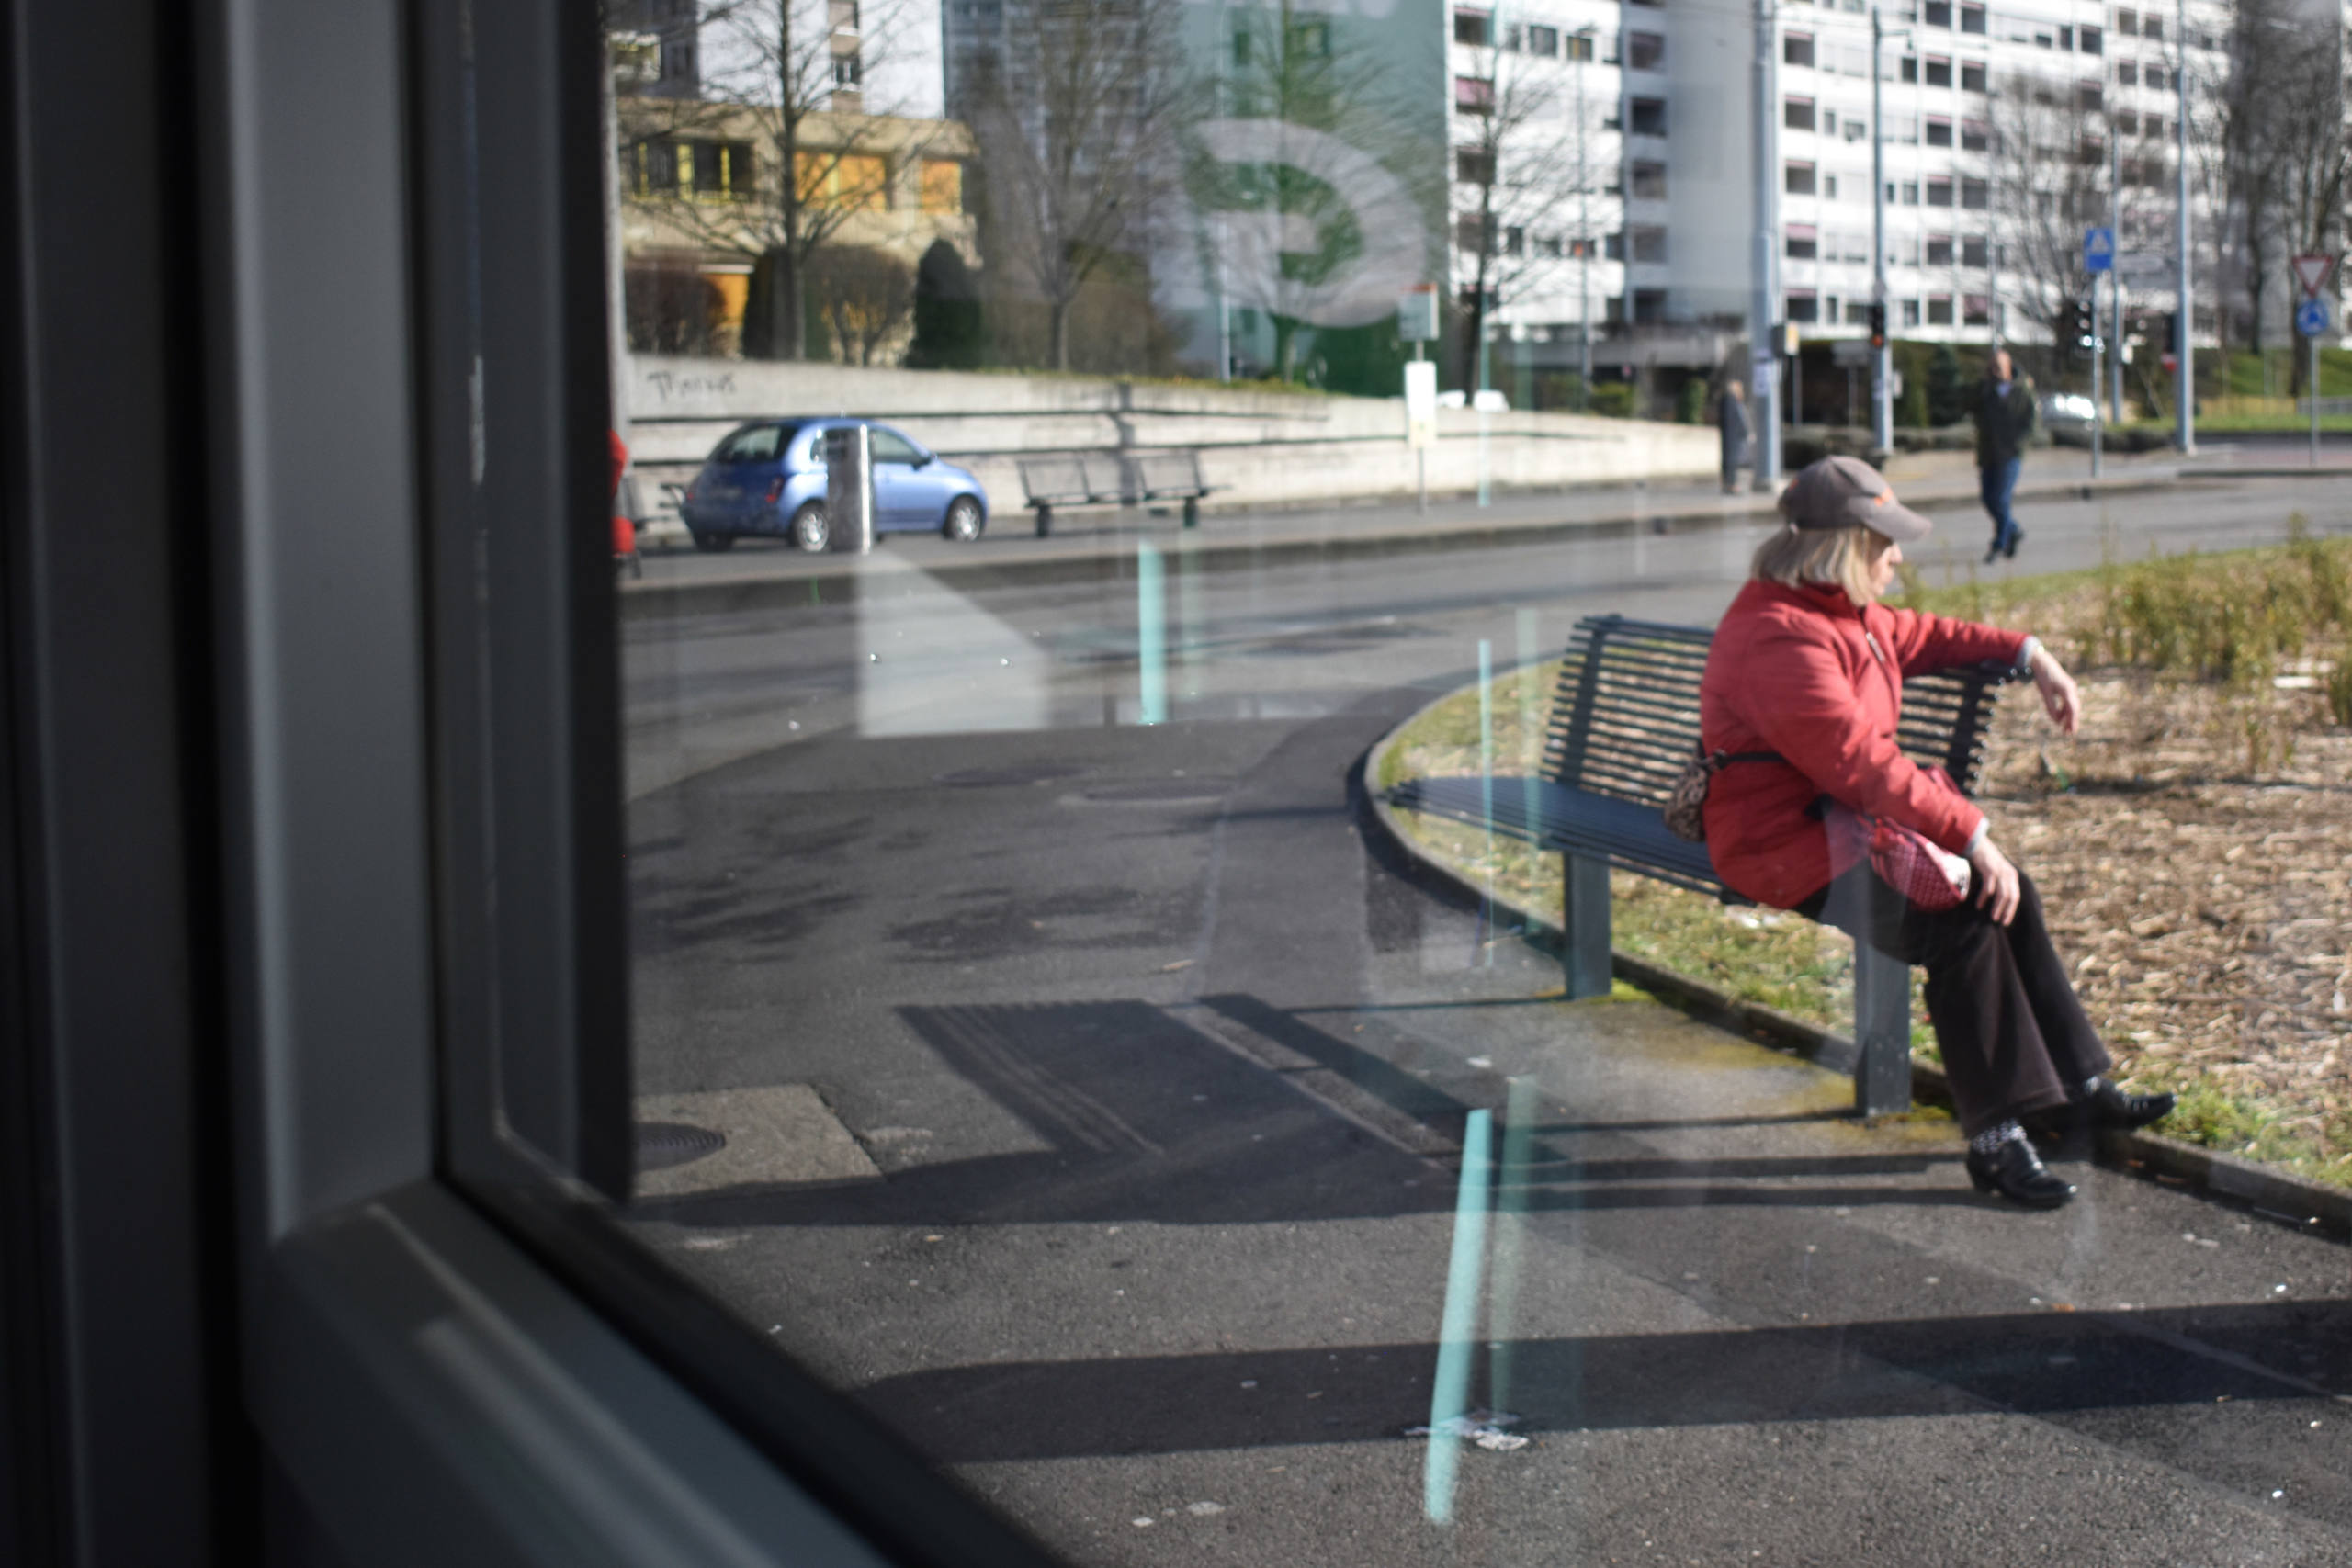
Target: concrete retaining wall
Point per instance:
(1260, 448)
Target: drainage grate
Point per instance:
(661, 1144)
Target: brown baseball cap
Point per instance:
(1845, 492)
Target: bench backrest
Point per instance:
(1053, 479)
(1157, 473)
(1625, 713)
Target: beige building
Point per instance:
(701, 188)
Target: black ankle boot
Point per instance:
(2017, 1173)
(2102, 1106)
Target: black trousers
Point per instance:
(2014, 1036)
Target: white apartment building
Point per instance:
(1949, 70)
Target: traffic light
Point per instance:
(2082, 324)
(1878, 326)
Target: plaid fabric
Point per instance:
(1930, 877)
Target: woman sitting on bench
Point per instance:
(1802, 688)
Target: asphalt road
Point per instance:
(1144, 1078)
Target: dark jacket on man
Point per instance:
(2004, 423)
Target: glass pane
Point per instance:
(1096, 895)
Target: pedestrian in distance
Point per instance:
(1817, 809)
(1731, 416)
(2005, 415)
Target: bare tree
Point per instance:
(1520, 161)
(1078, 116)
(2050, 145)
(790, 83)
(866, 295)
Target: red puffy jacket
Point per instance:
(1804, 672)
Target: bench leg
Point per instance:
(1584, 944)
(1192, 512)
(1044, 519)
(1881, 1033)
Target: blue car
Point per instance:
(768, 479)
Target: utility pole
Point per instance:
(2184, 372)
(1216, 220)
(1882, 357)
(1584, 37)
(2114, 273)
(1764, 359)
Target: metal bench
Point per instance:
(1105, 478)
(1624, 717)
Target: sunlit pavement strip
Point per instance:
(783, 1135)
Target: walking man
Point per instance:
(1731, 414)
(2004, 420)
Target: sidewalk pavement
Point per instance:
(1934, 481)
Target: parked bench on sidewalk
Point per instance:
(1104, 479)
(1624, 717)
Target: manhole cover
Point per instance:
(998, 778)
(1149, 791)
(661, 1144)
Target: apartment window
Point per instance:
(1974, 194)
(1857, 313)
(1857, 130)
(1649, 304)
(1940, 309)
(1803, 306)
(1474, 94)
(1550, 245)
(1976, 311)
(1829, 122)
(1645, 52)
(712, 171)
(1801, 243)
(1902, 128)
(1939, 73)
(1940, 250)
(1473, 27)
(1649, 116)
(853, 182)
(1975, 136)
(2066, 37)
(1613, 248)
(1910, 193)
(1512, 37)
(1939, 192)
(1473, 234)
(847, 68)
(1907, 69)
(1910, 312)
(2153, 77)
(1973, 252)
(2089, 40)
(1311, 40)
(2127, 74)
(1649, 180)
(1971, 76)
(1796, 114)
(1797, 48)
(1577, 46)
(1829, 187)
(1648, 242)
(1971, 18)
(2127, 22)
(1938, 131)
(2089, 96)
(1937, 13)
(1544, 42)
(2126, 123)
(1797, 179)
(2151, 27)
(1515, 240)
(1474, 165)
(842, 14)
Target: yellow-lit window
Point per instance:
(943, 185)
(859, 182)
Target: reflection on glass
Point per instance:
(1053, 1027)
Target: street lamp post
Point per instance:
(2185, 370)
(1763, 359)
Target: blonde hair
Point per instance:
(1845, 557)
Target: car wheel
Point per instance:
(810, 530)
(963, 519)
(713, 543)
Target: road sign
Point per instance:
(1421, 402)
(2311, 273)
(2138, 269)
(2098, 250)
(1417, 314)
(2310, 317)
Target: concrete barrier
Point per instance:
(1258, 448)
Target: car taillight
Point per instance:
(775, 490)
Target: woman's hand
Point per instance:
(2059, 694)
(1996, 879)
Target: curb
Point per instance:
(1108, 557)
(2291, 1199)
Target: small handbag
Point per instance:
(1931, 876)
(1686, 803)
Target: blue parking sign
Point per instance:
(2310, 317)
(2098, 250)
